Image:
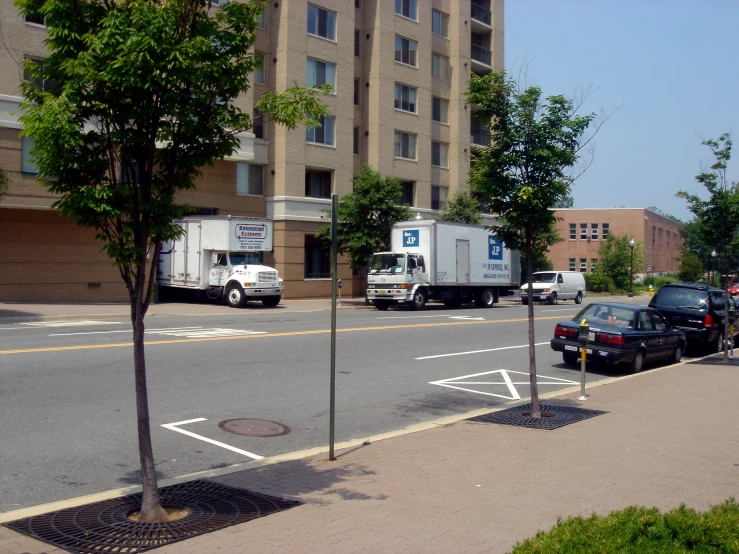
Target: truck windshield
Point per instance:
(544, 277)
(387, 263)
(244, 258)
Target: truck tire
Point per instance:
(485, 298)
(382, 305)
(553, 298)
(419, 299)
(235, 296)
(271, 301)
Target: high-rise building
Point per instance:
(398, 69)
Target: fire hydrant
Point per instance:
(651, 290)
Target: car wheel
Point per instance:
(569, 358)
(677, 355)
(235, 296)
(638, 362)
(553, 298)
(485, 299)
(525, 301)
(578, 298)
(419, 300)
(382, 305)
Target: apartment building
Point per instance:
(398, 70)
(584, 230)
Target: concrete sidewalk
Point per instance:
(668, 438)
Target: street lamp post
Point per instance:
(713, 268)
(631, 268)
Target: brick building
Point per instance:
(584, 229)
(398, 69)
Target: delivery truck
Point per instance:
(221, 258)
(453, 263)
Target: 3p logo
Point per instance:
(411, 238)
(495, 248)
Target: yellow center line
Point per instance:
(269, 335)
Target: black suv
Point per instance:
(695, 309)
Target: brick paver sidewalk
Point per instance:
(669, 438)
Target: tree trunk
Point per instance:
(535, 406)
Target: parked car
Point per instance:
(734, 289)
(696, 309)
(620, 333)
(551, 286)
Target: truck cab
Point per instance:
(240, 276)
(395, 277)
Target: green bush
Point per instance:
(657, 281)
(642, 531)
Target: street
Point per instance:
(67, 394)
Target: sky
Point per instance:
(672, 66)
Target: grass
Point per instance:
(637, 530)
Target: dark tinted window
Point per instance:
(677, 296)
(717, 300)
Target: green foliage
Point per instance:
(614, 260)
(4, 181)
(366, 216)
(637, 530)
(691, 268)
(658, 280)
(656, 210)
(566, 202)
(462, 208)
(598, 282)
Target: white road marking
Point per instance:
(174, 427)
(459, 383)
(478, 351)
(411, 316)
(562, 310)
(190, 332)
(77, 323)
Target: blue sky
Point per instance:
(673, 66)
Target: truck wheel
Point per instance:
(235, 296)
(553, 298)
(271, 301)
(578, 298)
(382, 305)
(485, 299)
(419, 300)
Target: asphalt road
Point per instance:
(67, 395)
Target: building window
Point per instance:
(440, 23)
(28, 167)
(323, 133)
(320, 73)
(43, 84)
(321, 23)
(262, 20)
(317, 259)
(594, 231)
(440, 67)
(439, 197)
(357, 4)
(406, 194)
(405, 50)
(572, 264)
(583, 265)
(606, 230)
(356, 141)
(260, 69)
(407, 8)
(356, 92)
(405, 98)
(356, 43)
(257, 124)
(439, 110)
(439, 154)
(317, 184)
(583, 231)
(249, 179)
(405, 145)
(593, 264)
(573, 231)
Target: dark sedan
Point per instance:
(620, 333)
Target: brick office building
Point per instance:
(398, 69)
(583, 230)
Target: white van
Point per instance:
(554, 286)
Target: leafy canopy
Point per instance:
(366, 215)
(614, 260)
(691, 268)
(462, 208)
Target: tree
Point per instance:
(365, 217)
(541, 261)
(526, 170)
(718, 216)
(462, 208)
(614, 260)
(691, 268)
(566, 202)
(656, 210)
(144, 97)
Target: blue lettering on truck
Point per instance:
(410, 238)
(495, 248)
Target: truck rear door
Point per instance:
(463, 261)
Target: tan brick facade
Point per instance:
(473, 43)
(659, 235)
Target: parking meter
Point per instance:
(339, 283)
(582, 337)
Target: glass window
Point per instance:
(583, 265)
(356, 92)
(606, 230)
(320, 73)
(323, 133)
(27, 165)
(406, 195)
(583, 231)
(594, 231)
(405, 145)
(318, 184)
(260, 70)
(356, 141)
(357, 4)
(356, 43)
(593, 264)
(439, 110)
(440, 67)
(439, 23)
(43, 83)
(317, 259)
(572, 264)
(659, 323)
(405, 50)
(249, 179)
(321, 22)
(257, 123)
(262, 20)
(573, 231)
(439, 196)
(439, 154)
(405, 98)
(407, 8)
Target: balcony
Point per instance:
(479, 136)
(481, 13)
(481, 59)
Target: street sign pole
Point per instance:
(334, 256)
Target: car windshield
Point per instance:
(244, 258)
(611, 317)
(387, 263)
(544, 277)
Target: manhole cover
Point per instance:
(250, 427)
(553, 416)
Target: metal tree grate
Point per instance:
(105, 527)
(716, 360)
(553, 417)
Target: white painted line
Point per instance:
(466, 317)
(511, 388)
(459, 383)
(190, 332)
(124, 331)
(411, 316)
(478, 351)
(78, 323)
(562, 310)
(173, 427)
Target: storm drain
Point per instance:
(553, 417)
(250, 427)
(717, 360)
(105, 527)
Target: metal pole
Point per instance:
(631, 273)
(583, 396)
(334, 255)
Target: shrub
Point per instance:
(657, 281)
(642, 531)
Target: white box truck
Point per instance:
(222, 258)
(451, 263)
